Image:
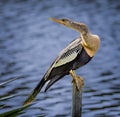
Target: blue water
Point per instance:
(29, 42)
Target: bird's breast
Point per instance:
(82, 59)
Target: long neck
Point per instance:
(90, 43)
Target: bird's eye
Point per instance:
(63, 20)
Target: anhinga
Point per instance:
(76, 54)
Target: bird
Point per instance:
(78, 53)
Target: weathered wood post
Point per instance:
(77, 97)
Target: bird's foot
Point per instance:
(79, 81)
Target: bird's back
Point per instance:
(71, 58)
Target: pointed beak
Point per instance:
(57, 20)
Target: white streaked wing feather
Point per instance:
(66, 59)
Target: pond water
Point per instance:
(29, 42)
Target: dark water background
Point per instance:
(29, 42)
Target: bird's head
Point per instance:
(78, 26)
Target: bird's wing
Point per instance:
(66, 55)
(55, 72)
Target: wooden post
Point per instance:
(77, 97)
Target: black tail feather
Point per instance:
(40, 85)
(52, 81)
(35, 92)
